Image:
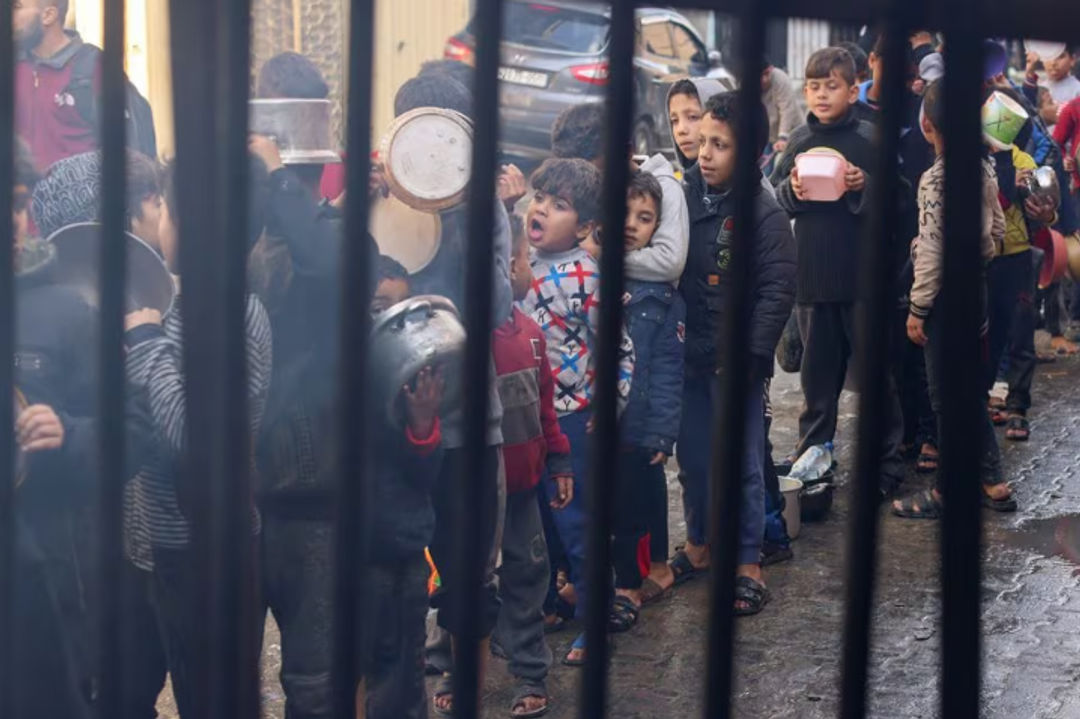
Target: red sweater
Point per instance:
(531, 433)
(1067, 134)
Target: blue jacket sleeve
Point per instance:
(666, 381)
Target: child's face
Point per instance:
(830, 97)
(684, 112)
(641, 220)
(521, 276)
(1060, 67)
(716, 159)
(1048, 109)
(148, 223)
(552, 224)
(388, 293)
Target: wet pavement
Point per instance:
(788, 657)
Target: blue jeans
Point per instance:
(694, 452)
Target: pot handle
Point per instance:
(416, 306)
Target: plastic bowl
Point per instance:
(822, 175)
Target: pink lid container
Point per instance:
(821, 171)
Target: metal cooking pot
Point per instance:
(300, 127)
(78, 253)
(1043, 184)
(815, 501)
(416, 333)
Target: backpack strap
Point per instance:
(81, 83)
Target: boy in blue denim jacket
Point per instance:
(654, 314)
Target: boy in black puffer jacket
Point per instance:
(705, 287)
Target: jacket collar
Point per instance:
(637, 290)
(850, 119)
(60, 58)
(709, 203)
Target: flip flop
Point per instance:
(623, 615)
(921, 505)
(754, 593)
(683, 569)
(1005, 505)
(1018, 429)
(579, 643)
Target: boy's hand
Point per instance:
(658, 458)
(138, 318)
(266, 149)
(511, 185)
(1070, 163)
(38, 429)
(1040, 210)
(422, 405)
(854, 179)
(796, 184)
(779, 146)
(916, 327)
(564, 492)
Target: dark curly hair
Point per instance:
(724, 107)
(574, 180)
(579, 132)
(290, 75)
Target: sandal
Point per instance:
(623, 615)
(753, 593)
(523, 692)
(651, 591)
(998, 417)
(578, 645)
(683, 568)
(927, 463)
(1018, 429)
(1005, 504)
(443, 687)
(921, 505)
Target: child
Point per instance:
(405, 468)
(564, 301)
(705, 288)
(143, 197)
(685, 101)
(924, 325)
(828, 236)
(655, 317)
(533, 442)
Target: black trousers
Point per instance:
(631, 514)
(1009, 282)
(1022, 358)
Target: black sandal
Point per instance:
(623, 615)
(751, 592)
(1005, 504)
(683, 569)
(1018, 429)
(524, 691)
(921, 505)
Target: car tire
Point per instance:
(642, 139)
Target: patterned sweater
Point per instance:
(152, 514)
(565, 302)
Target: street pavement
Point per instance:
(788, 658)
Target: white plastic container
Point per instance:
(821, 171)
(790, 489)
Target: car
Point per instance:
(554, 55)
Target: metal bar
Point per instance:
(729, 422)
(605, 451)
(874, 318)
(470, 553)
(7, 368)
(964, 395)
(352, 538)
(113, 591)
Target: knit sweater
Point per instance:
(828, 233)
(565, 301)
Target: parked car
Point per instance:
(554, 55)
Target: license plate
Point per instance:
(523, 77)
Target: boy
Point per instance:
(405, 467)
(579, 132)
(564, 301)
(685, 101)
(533, 444)
(828, 236)
(1063, 85)
(924, 326)
(705, 288)
(655, 317)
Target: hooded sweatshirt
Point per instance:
(706, 88)
(664, 258)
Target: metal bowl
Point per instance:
(300, 127)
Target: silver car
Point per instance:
(554, 55)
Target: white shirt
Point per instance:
(1064, 90)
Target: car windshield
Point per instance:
(555, 28)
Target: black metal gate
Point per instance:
(210, 50)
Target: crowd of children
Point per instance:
(802, 272)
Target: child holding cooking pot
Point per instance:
(830, 213)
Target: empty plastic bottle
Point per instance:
(814, 463)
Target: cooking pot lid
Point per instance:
(428, 157)
(410, 236)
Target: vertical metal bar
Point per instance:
(729, 424)
(7, 368)
(112, 591)
(470, 555)
(352, 538)
(605, 450)
(874, 320)
(963, 390)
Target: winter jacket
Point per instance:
(655, 319)
(565, 301)
(828, 233)
(532, 438)
(706, 282)
(1017, 231)
(664, 258)
(928, 249)
(404, 471)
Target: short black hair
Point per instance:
(824, 61)
(934, 104)
(858, 55)
(579, 131)
(26, 173)
(387, 268)
(465, 74)
(724, 107)
(439, 91)
(643, 184)
(143, 181)
(575, 180)
(292, 75)
(684, 87)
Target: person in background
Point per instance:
(25, 178)
(1062, 84)
(705, 287)
(534, 447)
(862, 62)
(782, 105)
(685, 104)
(828, 236)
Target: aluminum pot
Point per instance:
(416, 333)
(1043, 184)
(301, 129)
